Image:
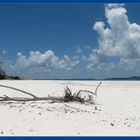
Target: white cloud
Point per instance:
(120, 39)
(44, 64)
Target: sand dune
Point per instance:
(116, 112)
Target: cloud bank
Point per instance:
(44, 65)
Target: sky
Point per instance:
(70, 41)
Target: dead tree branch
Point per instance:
(94, 93)
(69, 96)
(97, 88)
(25, 92)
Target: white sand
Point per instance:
(117, 110)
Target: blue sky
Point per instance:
(61, 40)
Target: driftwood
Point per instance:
(25, 92)
(94, 93)
(69, 96)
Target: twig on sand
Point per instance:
(69, 96)
(25, 92)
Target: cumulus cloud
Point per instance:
(44, 64)
(120, 39)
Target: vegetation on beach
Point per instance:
(4, 76)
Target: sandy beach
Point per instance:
(116, 111)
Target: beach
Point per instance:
(116, 111)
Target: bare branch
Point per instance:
(67, 90)
(85, 91)
(97, 88)
(27, 93)
(89, 91)
(69, 96)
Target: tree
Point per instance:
(2, 73)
